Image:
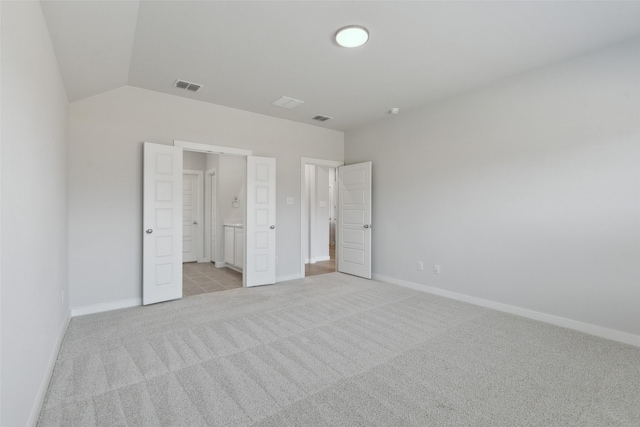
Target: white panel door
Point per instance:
(354, 219)
(190, 216)
(260, 259)
(162, 223)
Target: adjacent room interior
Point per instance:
(320, 211)
(212, 248)
(500, 240)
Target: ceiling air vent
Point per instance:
(286, 102)
(182, 84)
(321, 118)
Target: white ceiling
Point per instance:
(248, 54)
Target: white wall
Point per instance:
(526, 192)
(320, 233)
(105, 174)
(34, 211)
(232, 176)
(194, 161)
(211, 250)
(309, 190)
(316, 217)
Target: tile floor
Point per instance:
(200, 278)
(322, 267)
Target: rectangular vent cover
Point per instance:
(321, 118)
(182, 84)
(286, 102)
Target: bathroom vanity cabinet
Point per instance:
(234, 245)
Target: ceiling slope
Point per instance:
(248, 54)
(93, 41)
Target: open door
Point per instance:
(260, 256)
(354, 220)
(162, 223)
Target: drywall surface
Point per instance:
(232, 176)
(320, 232)
(105, 178)
(315, 223)
(526, 192)
(194, 161)
(34, 211)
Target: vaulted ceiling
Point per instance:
(248, 54)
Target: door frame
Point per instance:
(210, 208)
(303, 193)
(200, 212)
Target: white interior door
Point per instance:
(354, 219)
(260, 259)
(191, 227)
(162, 223)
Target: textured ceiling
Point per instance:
(248, 54)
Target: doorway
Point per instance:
(318, 216)
(213, 194)
(162, 184)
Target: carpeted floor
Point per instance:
(335, 350)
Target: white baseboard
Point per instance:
(44, 385)
(233, 267)
(99, 308)
(317, 259)
(289, 277)
(599, 331)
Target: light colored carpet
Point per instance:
(335, 350)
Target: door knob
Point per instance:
(366, 226)
(272, 227)
(149, 231)
(195, 222)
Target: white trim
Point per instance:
(309, 161)
(44, 385)
(311, 210)
(233, 267)
(107, 306)
(321, 162)
(214, 149)
(318, 259)
(201, 236)
(289, 277)
(587, 328)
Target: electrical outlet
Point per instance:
(289, 200)
(420, 265)
(436, 269)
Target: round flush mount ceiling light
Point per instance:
(352, 36)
